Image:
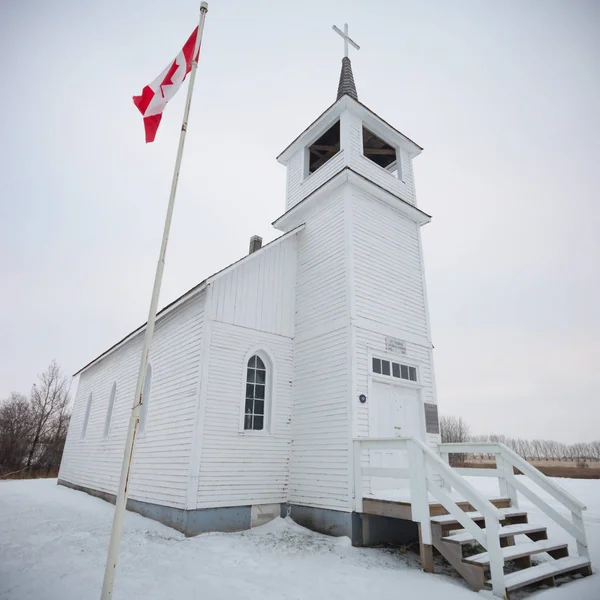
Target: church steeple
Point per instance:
(346, 84)
(348, 142)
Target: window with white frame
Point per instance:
(382, 366)
(109, 409)
(256, 394)
(86, 418)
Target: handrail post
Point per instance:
(358, 491)
(502, 483)
(419, 499)
(492, 529)
(445, 456)
(577, 516)
(505, 479)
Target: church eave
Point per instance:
(161, 313)
(188, 295)
(297, 213)
(331, 112)
(329, 115)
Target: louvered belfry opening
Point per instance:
(324, 148)
(375, 149)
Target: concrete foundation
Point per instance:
(323, 520)
(189, 522)
(378, 531)
(362, 529)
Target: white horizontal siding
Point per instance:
(321, 294)
(320, 469)
(260, 293)
(295, 176)
(162, 454)
(388, 278)
(299, 188)
(320, 472)
(236, 467)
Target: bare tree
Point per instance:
(15, 430)
(49, 401)
(52, 442)
(454, 430)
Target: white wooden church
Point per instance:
(299, 380)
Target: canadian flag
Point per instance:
(155, 96)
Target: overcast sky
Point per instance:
(504, 96)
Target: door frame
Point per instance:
(393, 381)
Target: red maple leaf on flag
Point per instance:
(168, 80)
(154, 97)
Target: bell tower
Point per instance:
(348, 135)
(362, 341)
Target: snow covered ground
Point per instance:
(53, 543)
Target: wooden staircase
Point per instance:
(475, 534)
(457, 546)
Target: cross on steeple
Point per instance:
(347, 39)
(346, 85)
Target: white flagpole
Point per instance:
(121, 500)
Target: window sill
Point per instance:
(255, 432)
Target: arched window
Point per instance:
(145, 400)
(109, 410)
(256, 394)
(86, 418)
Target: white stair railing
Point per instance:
(424, 466)
(506, 461)
(490, 539)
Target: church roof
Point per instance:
(346, 85)
(191, 292)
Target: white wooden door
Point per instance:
(393, 412)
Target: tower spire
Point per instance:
(346, 84)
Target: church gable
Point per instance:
(258, 293)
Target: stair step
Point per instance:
(477, 516)
(544, 571)
(464, 537)
(517, 551)
(436, 508)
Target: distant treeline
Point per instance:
(546, 449)
(33, 429)
(455, 429)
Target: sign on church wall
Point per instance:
(395, 345)
(432, 424)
